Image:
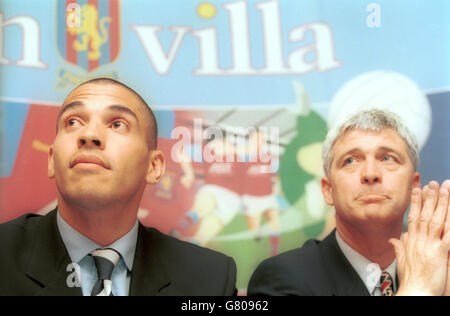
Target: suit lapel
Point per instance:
(344, 279)
(148, 276)
(49, 259)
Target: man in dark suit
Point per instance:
(370, 164)
(103, 156)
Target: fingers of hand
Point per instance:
(430, 198)
(404, 239)
(414, 211)
(437, 222)
(446, 230)
(446, 185)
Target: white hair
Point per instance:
(374, 121)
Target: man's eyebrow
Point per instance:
(390, 149)
(114, 107)
(69, 106)
(358, 150)
(348, 152)
(123, 109)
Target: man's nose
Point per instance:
(370, 173)
(91, 136)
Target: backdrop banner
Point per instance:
(244, 92)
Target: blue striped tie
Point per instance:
(105, 260)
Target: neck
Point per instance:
(103, 225)
(371, 241)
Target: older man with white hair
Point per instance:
(370, 163)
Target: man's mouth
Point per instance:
(372, 197)
(87, 160)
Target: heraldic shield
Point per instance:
(88, 32)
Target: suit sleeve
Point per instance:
(274, 279)
(263, 281)
(230, 288)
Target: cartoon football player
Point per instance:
(258, 188)
(219, 199)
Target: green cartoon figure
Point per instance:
(301, 170)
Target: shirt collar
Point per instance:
(369, 272)
(78, 245)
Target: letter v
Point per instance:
(161, 61)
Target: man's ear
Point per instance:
(416, 180)
(327, 191)
(156, 168)
(51, 163)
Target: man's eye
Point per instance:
(119, 125)
(72, 122)
(349, 160)
(388, 158)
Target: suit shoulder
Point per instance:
(182, 248)
(18, 227)
(303, 257)
(16, 236)
(212, 272)
(288, 273)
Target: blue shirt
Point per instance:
(79, 246)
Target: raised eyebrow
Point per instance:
(348, 152)
(69, 106)
(123, 109)
(114, 107)
(385, 148)
(392, 150)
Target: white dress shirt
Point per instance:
(369, 272)
(79, 246)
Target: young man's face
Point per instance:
(371, 177)
(101, 153)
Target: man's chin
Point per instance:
(90, 199)
(380, 215)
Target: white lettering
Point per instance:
(73, 13)
(30, 41)
(192, 306)
(215, 149)
(229, 144)
(374, 18)
(73, 279)
(323, 49)
(320, 53)
(161, 61)
(273, 44)
(209, 53)
(239, 38)
(182, 145)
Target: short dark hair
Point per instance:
(152, 133)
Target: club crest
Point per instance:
(88, 32)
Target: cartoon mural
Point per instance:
(269, 76)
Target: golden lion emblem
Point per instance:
(91, 38)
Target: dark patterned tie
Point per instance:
(105, 260)
(387, 284)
